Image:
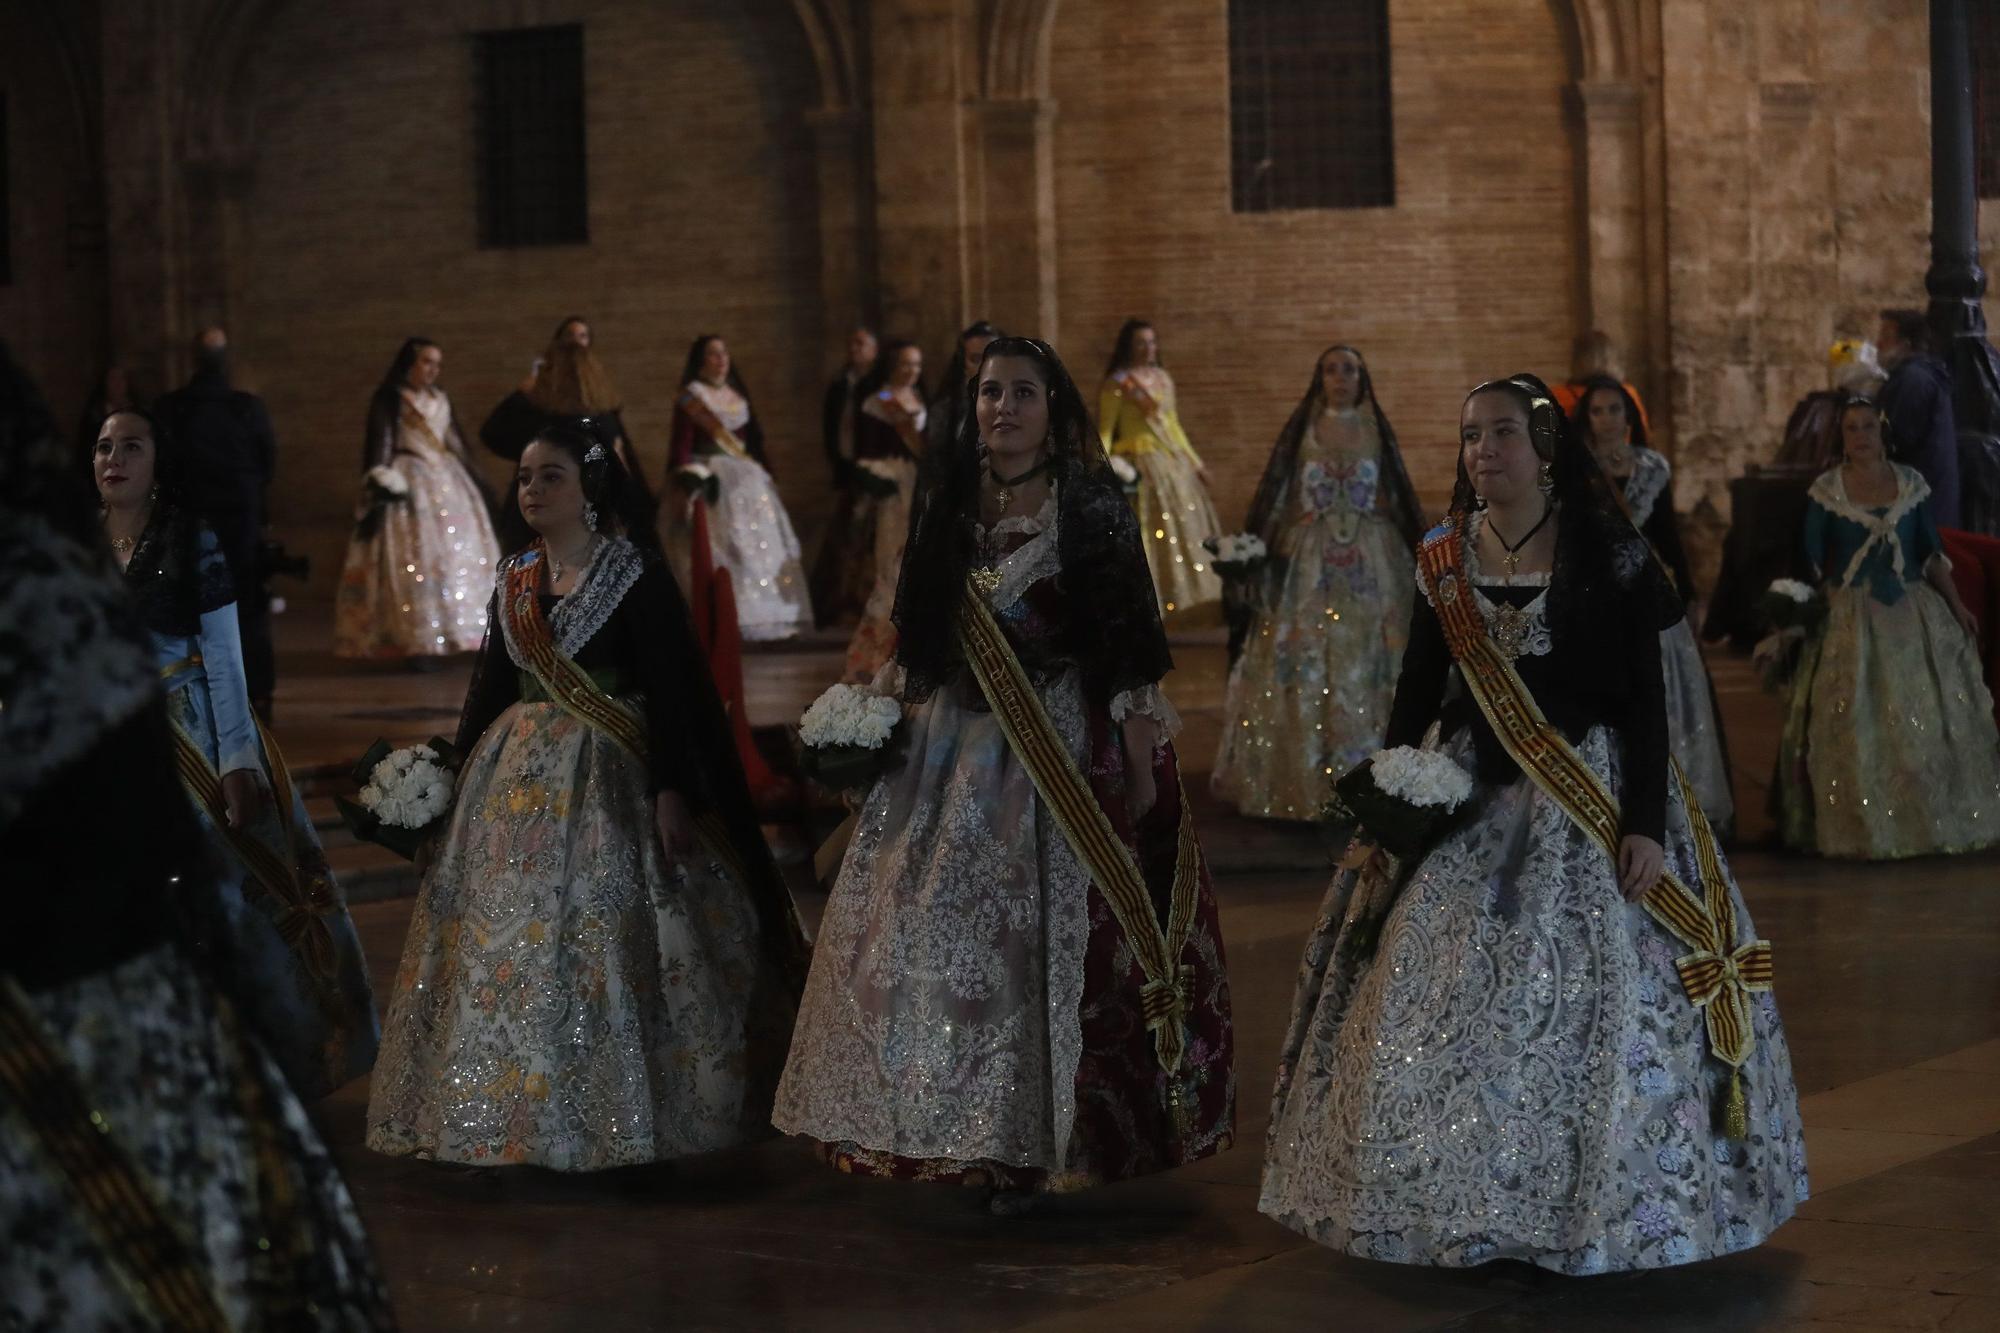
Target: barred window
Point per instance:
(1309, 105)
(1986, 98)
(533, 174)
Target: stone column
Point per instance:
(145, 213)
(922, 227)
(1956, 281)
(1615, 223)
(1018, 179)
(846, 237)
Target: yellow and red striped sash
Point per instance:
(1166, 996)
(571, 688)
(153, 1260)
(302, 908)
(711, 425)
(1717, 974)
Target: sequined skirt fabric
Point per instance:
(419, 586)
(145, 1043)
(564, 998)
(1175, 518)
(1694, 732)
(1516, 1073)
(754, 541)
(1889, 747)
(1309, 698)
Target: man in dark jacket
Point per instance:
(229, 453)
(1923, 432)
(836, 413)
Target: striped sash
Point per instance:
(711, 425)
(1166, 994)
(1716, 973)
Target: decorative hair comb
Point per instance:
(594, 454)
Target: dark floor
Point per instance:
(1888, 976)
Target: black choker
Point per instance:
(1004, 486)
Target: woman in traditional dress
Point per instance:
(604, 963)
(155, 1170)
(1607, 420)
(291, 941)
(888, 440)
(954, 396)
(1309, 695)
(568, 384)
(1889, 747)
(841, 573)
(751, 534)
(421, 561)
(1136, 420)
(1550, 1036)
(1019, 980)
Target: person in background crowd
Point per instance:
(953, 398)
(1138, 420)
(232, 455)
(839, 580)
(889, 429)
(1592, 354)
(1888, 748)
(1923, 431)
(1812, 432)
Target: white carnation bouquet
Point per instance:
(699, 479)
(849, 734)
(1404, 800)
(878, 477)
(1236, 555)
(1402, 797)
(405, 796)
(381, 486)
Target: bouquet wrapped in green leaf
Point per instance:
(405, 796)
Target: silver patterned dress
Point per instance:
(1514, 1071)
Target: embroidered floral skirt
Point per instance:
(1889, 747)
(1175, 517)
(874, 640)
(1309, 698)
(1694, 726)
(210, 1131)
(418, 587)
(1516, 1073)
(313, 1001)
(973, 1010)
(843, 570)
(565, 1000)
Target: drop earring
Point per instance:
(590, 516)
(1548, 480)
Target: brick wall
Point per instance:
(1468, 276)
(360, 228)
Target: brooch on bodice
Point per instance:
(1509, 627)
(986, 580)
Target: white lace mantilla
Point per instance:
(1650, 474)
(577, 617)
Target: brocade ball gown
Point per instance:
(973, 1011)
(1309, 697)
(1889, 747)
(566, 998)
(1138, 421)
(418, 571)
(1514, 1070)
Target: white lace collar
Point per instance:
(1650, 474)
(1829, 489)
(729, 406)
(1029, 563)
(578, 616)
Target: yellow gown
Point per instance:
(1137, 422)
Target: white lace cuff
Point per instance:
(1150, 701)
(888, 681)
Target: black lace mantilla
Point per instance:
(177, 571)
